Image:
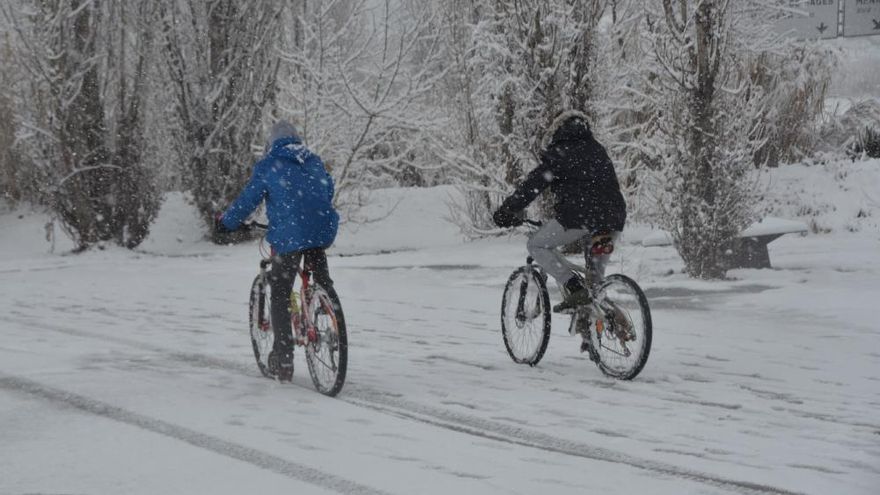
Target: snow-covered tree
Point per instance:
(707, 92)
(358, 80)
(515, 67)
(9, 187)
(705, 126)
(79, 114)
(221, 63)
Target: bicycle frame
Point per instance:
(302, 328)
(597, 297)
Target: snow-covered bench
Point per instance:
(749, 249)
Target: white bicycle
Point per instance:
(615, 327)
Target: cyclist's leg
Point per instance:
(315, 261)
(599, 263)
(281, 279)
(543, 248)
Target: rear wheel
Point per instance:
(525, 316)
(262, 336)
(621, 334)
(327, 341)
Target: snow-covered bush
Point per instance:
(867, 143)
(793, 78)
(841, 129)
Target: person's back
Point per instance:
(584, 183)
(299, 197)
(302, 223)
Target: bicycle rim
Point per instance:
(526, 330)
(262, 336)
(327, 357)
(621, 334)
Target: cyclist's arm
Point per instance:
(254, 193)
(538, 179)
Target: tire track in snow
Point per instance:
(492, 430)
(381, 402)
(204, 441)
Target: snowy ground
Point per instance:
(132, 372)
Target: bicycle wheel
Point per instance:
(621, 334)
(525, 316)
(327, 347)
(262, 336)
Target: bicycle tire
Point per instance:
(644, 337)
(327, 301)
(261, 333)
(509, 325)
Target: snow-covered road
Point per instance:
(133, 373)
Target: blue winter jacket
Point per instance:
(299, 198)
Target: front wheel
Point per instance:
(262, 336)
(621, 334)
(327, 347)
(525, 316)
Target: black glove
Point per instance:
(504, 218)
(219, 228)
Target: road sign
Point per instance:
(810, 19)
(861, 17)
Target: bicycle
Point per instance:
(615, 326)
(317, 322)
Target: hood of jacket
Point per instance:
(567, 126)
(289, 148)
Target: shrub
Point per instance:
(867, 143)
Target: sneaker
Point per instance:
(574, 300)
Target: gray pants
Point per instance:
(543, 248)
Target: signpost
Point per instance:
(861, 17)
(811, 19)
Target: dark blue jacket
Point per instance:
(299, 198)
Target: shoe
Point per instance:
(574, 300)
(281, 365)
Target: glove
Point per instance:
(219, 228)
(504, 218)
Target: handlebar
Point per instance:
(255, 225)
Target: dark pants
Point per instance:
(281, 277)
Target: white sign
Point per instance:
(861, 17)
(809, 19)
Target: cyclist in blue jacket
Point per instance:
(298, 193)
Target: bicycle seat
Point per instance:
(601, 243)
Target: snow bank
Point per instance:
(178, 227)
(831, 196)
(23, 234)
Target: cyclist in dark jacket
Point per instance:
(580, 174)
(298, 193)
